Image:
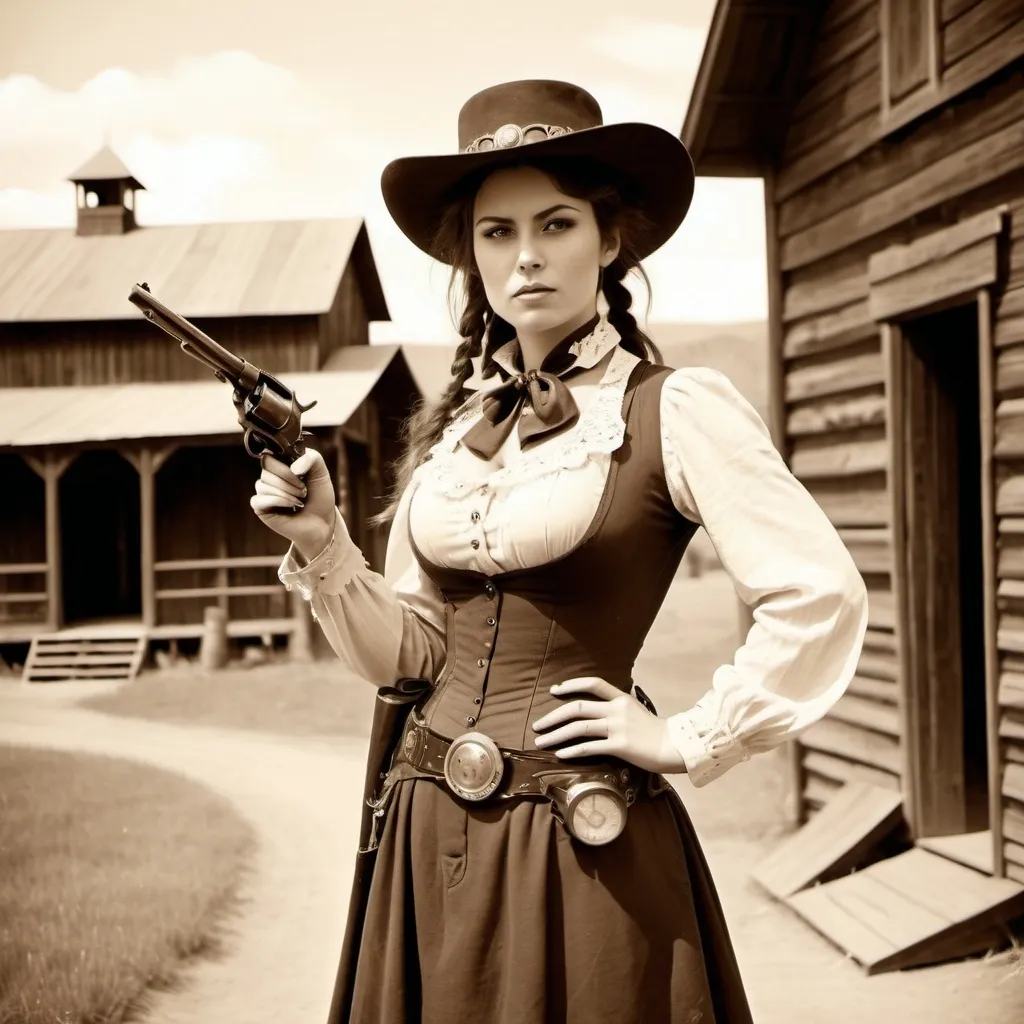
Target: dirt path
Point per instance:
(302, 796)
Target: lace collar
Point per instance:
(599, 430)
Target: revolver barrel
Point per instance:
(226, 365)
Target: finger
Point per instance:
(587, 684)
(304, 463)
(265, 504)
(589, 749)
(572, 710)
(279, 488)
(290, 474)
(585, 729)
(285, 483)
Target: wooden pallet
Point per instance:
(834, 841)
(93, 654)
(910, 910)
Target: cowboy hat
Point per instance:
(514, 121)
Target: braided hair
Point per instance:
(581, 179)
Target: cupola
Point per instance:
(105, 192)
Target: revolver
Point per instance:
(269, 412)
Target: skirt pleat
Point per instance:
(495, 915)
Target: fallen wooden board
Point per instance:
(910, 910)
(835, 840)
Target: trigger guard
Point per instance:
(247, 441)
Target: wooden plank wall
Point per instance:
(346, 322)
(841, 195)
(1008, 339)
(122, 352)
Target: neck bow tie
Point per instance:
(554, 407)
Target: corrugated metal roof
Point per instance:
(33, 417)
(105, 165)
(269, 268)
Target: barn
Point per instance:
(890, 138)
(126, 486)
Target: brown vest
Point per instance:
(512, 635)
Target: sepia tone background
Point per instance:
(179, 789)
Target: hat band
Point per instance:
(510, 135)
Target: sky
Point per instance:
(231, 110)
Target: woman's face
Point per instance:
(526, 232)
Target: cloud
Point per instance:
(229, 136)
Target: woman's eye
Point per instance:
(563, 223)
(493, 233)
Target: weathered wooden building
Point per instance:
(125, 483)
(890, 137)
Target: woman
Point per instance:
(530, 865)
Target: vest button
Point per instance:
(471, 720)
(489, 589)
(475, 516)
(478, 700)
(491, 621)
(481, 662)
(474, 544)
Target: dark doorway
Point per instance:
(100, 539)
(945, 587)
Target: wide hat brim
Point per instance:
(653, 166)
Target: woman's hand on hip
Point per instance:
(301, 511)
(615, 724)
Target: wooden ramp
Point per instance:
(913, 909)
(111, 652)
(834, 841)
(972, 849)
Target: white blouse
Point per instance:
(523, 509)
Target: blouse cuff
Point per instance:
(330, 571)
(707, 748)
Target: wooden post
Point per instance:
(907, 710)
(986, 387)
(342, 483)
(374, 534)
(147, 462)
(51, 468)
(777, 426)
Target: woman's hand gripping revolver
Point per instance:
(300, 510)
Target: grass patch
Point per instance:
(112, 874)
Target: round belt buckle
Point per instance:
(473, 766)
(595, 813)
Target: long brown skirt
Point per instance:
(494, 915)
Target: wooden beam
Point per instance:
(893, 362)
(986, 397)
(144, 464)
(795, 775)
(51, 468)
(942, 268)
(901, 259)
(718, 48)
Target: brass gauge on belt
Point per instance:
(594, 812)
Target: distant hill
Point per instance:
(739, 350)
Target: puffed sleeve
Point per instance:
(382, 628)
(786, 561)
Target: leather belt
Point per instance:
(591, 796)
